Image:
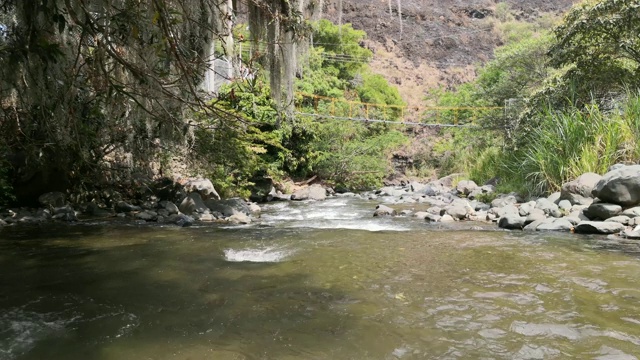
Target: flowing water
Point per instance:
(315, 281)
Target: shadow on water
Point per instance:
(105, 292)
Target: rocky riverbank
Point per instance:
(590, 204)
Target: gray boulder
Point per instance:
(533, 226)
(565, 205)
(511, 222)
(180, 220)
(415, 186)
(620, 186)
(598, 227)
(147, 215)
(392, 191)
(193, 204)
(239, 218)
(202, 186)
(632, 212)
(458, 211)
(421, 215)
(506, 211)
(228, 207)
(556, 225)
(447, 218)
(602, 211)
(632, 233)
(535, 215)
(169, 207)
(448, 181)
(466, 187)
(3, 223)
(504, 200)
(65, 213)
(578, 190)
(52, 199)
(624, 220)
(526, 208)
(313, 192)
(383, 210)
(433, 217)
(125, 207)
(554, 198)
(549, 208)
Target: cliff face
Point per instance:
(439, 43)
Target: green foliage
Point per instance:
(342, 49)
(376, 89)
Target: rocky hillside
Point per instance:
(439, 43)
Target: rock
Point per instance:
(554, 197)
(421, 215)
(620, 186)
(406, 212)
(504, 201)
(169, 207)
(180, 220)
(52, 199)
(556, 225)
(549, 208)
(429, 191)
(436, 210)
(602, 211)
(433, 217)
(578, 190)
(466, 186)
(634, 221)
(448, 181)
(511, 222)
(624, 220)
(632, 212)
(535, 215)
(254, 208)
(65, 213)
(383, 210)
(533, 226)
(506, 211)
(313, 192)
(93, 209)
(632, 234)
(615, 167)
(526, 208)
(458, 211)
(202, 186)
(391, 191)
(125, 207)
(3, 223)
(574, 220)
(204, 217)
(239, 218)
(147, 215)
(565, 205)
(415, 186)
(478, 216)
(447, 218)
(43, 214)
(193, 204)
(598, 227)
(228, 207)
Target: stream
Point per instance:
(315, 280)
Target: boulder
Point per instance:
(526, 208)
(147, 215)
(632, 233)
(549, 208)
(52, 199)
(598, 227)
(313, 192)
(458, 211)
(65, 213)
(168, 206)
(415, 186)
(554, 198)
(421, 215)
(602, 211)
(535, 215)
(504, 200)
(565, 205)
(383, 210)
(228, 207)
(448, 181)
(533, 226)
(478, 216)
(466, 187)
(578, 190)
(433, 217)
(447, 218)
(506, 211)
(511, 222)
(620, 186)
(202, 186)
(239, 218)
(632, 212)
(180, 220)
(125, 207)
(624, 220)
(92, 209)
(555, 225)
(193, 204)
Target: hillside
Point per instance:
(439, 42)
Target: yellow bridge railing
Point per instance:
(338, 108)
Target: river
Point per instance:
(318, 280)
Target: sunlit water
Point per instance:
(315, 281)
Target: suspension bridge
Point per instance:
(429, 116)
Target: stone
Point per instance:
(447, 218)
(533, 226)
(65, 213)
(168, 206)
(556, 225)
(313, 192)
(632, 212)
(228, 207)
(448, 181)
(92, 209)
(3, 223)
(420, 215)
(383, 210)
(478, 216)
(579, 189)
(52, 199)
(526, 208)
(549, 208)
(239, 218)
(466, 186)
(254, 208)
(565, 205)
(634, 221)
(458, 211)
(406, 212)
(204, 217)
(147, 215)
(125, 207)
(632, 233)
(504, 201)
(598, 227)
(511, 222)
(506, 211)
(432, 217)
(202, 186)
(415, 186)
(535, 215)
(180, 220)
(624, 220)
(602, 211)
(193, 204)
(620, 186)
(554, 198)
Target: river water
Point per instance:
(315, 281)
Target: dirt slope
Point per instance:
(439, 42)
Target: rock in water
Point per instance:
(202, 186)
(52, 199)
(598, 227)
(383, 210)
(313, 192)
(620, 186)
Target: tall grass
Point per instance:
(567, 144)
